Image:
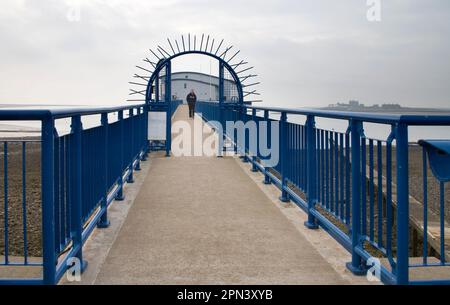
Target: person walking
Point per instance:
(191, 98)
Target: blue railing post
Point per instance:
(268, 137)
(311, 168)
(243, 149)
(121, 144)
(283, 156)
(76, 190)
(355, 266)
(168, 101)
(145, 131)
(402, 270)
(104, 222)
(255, 153)
(221, 108)
(139, 132)
(48, 201)
(131, 139)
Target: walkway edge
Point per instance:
(99, 244)
(326, 245)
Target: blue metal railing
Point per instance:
(355, 187)
(82, 172)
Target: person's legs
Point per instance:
(190, 109)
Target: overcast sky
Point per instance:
(306, 52)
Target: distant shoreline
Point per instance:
(402, 110)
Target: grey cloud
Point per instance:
(307, 53)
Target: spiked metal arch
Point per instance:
(160, 57)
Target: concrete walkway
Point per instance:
(203, 220)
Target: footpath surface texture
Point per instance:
(203, 220)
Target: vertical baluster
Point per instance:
(389, 197)
(120, 196)
(104, 222)
(5, 207)
(442, 220)
(347, 179)
(269, 144)
(62, 177)
(364, 185)
(168, 101)
(322, 169)
(332, 147)
(336, 173)
(327, 170)
(56, 195)
(130, 156)
(77, 190)
(311, 223)
(371, 193)
(425, 205)
(305, 164)
(24, 203)
(283, 148)
(138, 139)
(68, 185)
(380, 192)
(254, 154)
(318, 166)
(341, 176)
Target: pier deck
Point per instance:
(203, 220)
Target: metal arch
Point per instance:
(161, 64)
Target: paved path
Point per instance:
(203, 220)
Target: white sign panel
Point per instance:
(156, 126)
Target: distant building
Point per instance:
(206, 86)
(354, 105)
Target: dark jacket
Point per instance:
(191, 98)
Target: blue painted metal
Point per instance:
(355, 266)
(48, 228)
(80, 178)
(283, 156)
(168, 99)
(439, 157)
(5, 205)
(104, 222)
(311, 223)
(163, 62)
(120, 196)
(76, 187)
(221, 106)
(402, 205)
(344, 174)
(313, 162)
